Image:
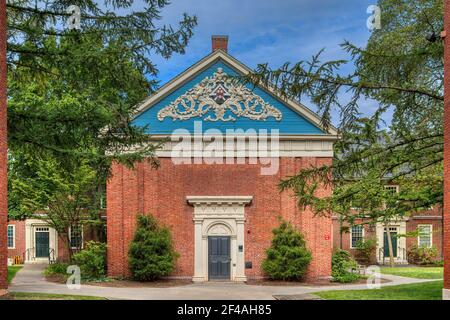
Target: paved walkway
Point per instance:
(30, 279)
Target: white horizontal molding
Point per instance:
(241, 147)
(246, 149)
(219, 200)
(262, 155)
(281, 137)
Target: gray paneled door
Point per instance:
(42, 244)
(219, 258)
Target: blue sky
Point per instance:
(270, 31)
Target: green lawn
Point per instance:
(418, 291)
(49, 296)
(12, 270)
(416, 272)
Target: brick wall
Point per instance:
(89, 234)
(433, 217)
(19, 240)
(163, 192)
(437, 233)
(447, 146)
(342, 240)
(3, 151)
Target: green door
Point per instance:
(394, 244)
(42, 244)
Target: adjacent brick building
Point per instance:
(421, 229)
(33, 240)
(219, 195)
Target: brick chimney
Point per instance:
(220, 42)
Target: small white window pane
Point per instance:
(356, 235)
(424, 236)
(76, 237)
(10, 241)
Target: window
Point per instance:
(356, 235)
(425, 238)
(11, 234)
(76, 237)
(391, 189)
(102, 198)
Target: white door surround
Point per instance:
(219, 215)
(31, 226)
(396, 226)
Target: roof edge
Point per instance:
(203, 63)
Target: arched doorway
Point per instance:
(219, 237)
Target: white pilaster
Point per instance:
(240, 261)
(219, 215)
(198, 253)
(445, 294)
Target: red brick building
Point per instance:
(34, 241)
(421, 229)
(217, 184)
(3, 149)
(446, 290)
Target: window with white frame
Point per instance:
(356, 235)
(76, 237)
(425, 238)
(11, 236)
(392, 189)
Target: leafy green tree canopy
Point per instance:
(72, 93)
(402, 72)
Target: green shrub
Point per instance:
(366, 249)
(343, 266)
(288, 257)
(438, 263)
(151, 252)
(92, 260)
(422, 255)
(58, 268)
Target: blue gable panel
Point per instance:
(291, 122)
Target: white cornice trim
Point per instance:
(426, 217)
(203, 64)
(303, 137)
(219, 200)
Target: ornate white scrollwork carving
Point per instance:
(219, 94)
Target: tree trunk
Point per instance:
(69, 247)
(3, 151)
(340, 231)
(391, 250)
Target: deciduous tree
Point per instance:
(401, 69)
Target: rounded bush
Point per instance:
(92, 260)
(342, 266)
(151, 253)
(287, 258)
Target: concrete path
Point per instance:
(30, 279)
